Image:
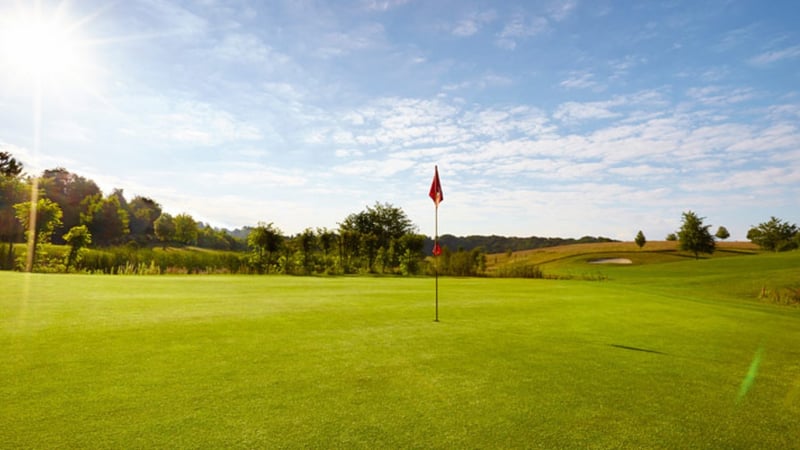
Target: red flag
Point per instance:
(436, 193)
(436, 249)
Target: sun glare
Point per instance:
(37, 46)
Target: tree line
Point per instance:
(695, 237)
(108, 233)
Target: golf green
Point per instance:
(677, 355)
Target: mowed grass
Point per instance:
(667, 355)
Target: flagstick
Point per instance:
(436, 269)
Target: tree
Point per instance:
(774, 235)
(694, 236)
(106, 219)
(640, 239)
(722, 233)
(69, 191)
(12, 191)
(185, 229)
(308, 242)
(77, 238)
(9, 167)
(363, 234)
(143, 213)
(672, 237)
(48, 218)
(164, 228)
(265, 240)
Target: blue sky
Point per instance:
(547, 118)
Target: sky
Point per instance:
(545, 118)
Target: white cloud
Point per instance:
(520, 28)
(560, 10)
(383, 5)
(573, 111)
(718, 95)
(774, 56)
(246, 48)
(472, 23)
(579, 80)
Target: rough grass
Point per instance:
(672, 355)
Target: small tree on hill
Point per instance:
(640, 239)
(694, 236)
(775, 235)
(722, 233)
(672, 237)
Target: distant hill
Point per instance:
(501, 244)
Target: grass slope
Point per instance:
(675, 355)
(566, 259)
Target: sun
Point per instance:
(44, 47)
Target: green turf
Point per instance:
(669, 355)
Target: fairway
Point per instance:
(668, 355)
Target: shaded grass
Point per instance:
(243, 362)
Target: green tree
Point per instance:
(144, 212)
(69, 191)
(106, 219)
(77, 238)
(694, 236)
(164, 228)
(9, 167)
(265, 241)
(327, 242)
(185, 229)
(12, 191)
(774, 235)
(379, 226)
(672, 237)
(640, 239)
(308, 244)
(722, 233)
(47, 219)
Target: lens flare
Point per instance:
(750, 378)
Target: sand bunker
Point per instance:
(611, 261)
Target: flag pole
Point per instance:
(436, 270)
(437, 196)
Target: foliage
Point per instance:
(694, 236)
(671, 237)
(164, 228)
(461, 263)
(265, 240)
(9, 167)
(106, 219)
(70, 192)
(501, 244)
(12, 191)
(185, 229)
(640, 240)
(77, 238)
(143, 213)
(47, 218)
(722, 233)
(774, 235)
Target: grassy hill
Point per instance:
(575, 257)
(675, 353)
